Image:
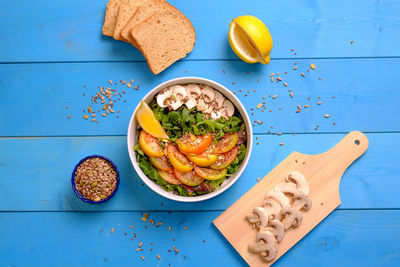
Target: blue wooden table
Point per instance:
(52, 55)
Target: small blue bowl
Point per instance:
(79, 194)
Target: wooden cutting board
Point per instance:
(323, 173)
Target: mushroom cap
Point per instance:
(291, 217)
(272, 249)
(277, 228)
(300, 181)
(279, 197)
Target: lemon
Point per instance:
(250, 39)
(148, 121)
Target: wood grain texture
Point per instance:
(323, 173)
(40, 169)
(84, 239)
(366, 95)
(46, 30)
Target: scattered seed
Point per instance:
(93, 114)
(279, 134)
(327, 115)
(103, 114)
(272, 74)
(93, 119)
(143, 258)
(129, 85)
(319, 103)
(185, 228)
(302, 74)
(158, 257)
(112, 230)
(313, 67)
(169, 228)
(274, 96)
(351, 42)
(285, 84)
(259, 105)
(306, 106)
(272, 79)
(110, 82)
(140, 244)
(279, 79)
(295, 67)
(258, 179)
(130, 226)
(291, 94)
(85, 116)
(259, 122)
(281, 144)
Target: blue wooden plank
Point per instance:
(344, 238)
(35, 173)
(46, 30)
(366, 95)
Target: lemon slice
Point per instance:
(250, 39)
(148, 121)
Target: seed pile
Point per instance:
(95, 179)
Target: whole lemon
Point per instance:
(250, 39)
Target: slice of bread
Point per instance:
(164, 38)
(126, 11)
(110, 19)
(145, 11)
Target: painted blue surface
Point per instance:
(50, 49)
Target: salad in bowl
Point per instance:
(188, 139)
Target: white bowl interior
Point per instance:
(132, 138)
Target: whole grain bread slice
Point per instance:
(126, 11)
(164, 38)
(146, 10)
(110, 19)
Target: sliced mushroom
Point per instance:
(288, 188)
(279, 197)
(178, 94)
(215, 115)
(193, 93)
(276, 228)
(263, 215)
(266, 244)
(201, 106)
(193, 90)
(291, 217)
(302, 201)
(300, 181)
(218, 100)
(190, 103)
(163, 98)
(208, 94)
(227, 109)
(274, 208)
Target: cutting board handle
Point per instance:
(350, 148)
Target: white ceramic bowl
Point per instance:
(133, 137)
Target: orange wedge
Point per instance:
(148, 121)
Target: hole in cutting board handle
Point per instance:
(357, 142)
